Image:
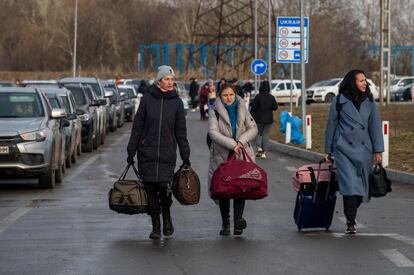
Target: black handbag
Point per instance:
(379, 183)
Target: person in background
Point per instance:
(264, 104)
(211, 93)
(143, 88)
(203, 100)
(193, 92)
(232, 130)
(237, 86)
(221, 82)
(353, 136)
(159, 125)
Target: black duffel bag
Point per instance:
(128, 196)
(379, 183)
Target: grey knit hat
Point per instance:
(163, 71)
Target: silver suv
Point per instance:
(30, 146)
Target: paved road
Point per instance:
(70, 230)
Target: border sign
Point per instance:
(258, 66)
(288, 39)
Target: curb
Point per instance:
(394, 175)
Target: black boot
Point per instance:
(168, 228)
(225, 228)
(239, 222)
(156, 227)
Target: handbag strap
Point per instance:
(123, 175)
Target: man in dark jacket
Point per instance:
(193, 92)
(262, 111)
(159, 126)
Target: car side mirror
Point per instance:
(109, 94)
(64, 122)
(102, 101)
(58, 113)
(71, 116)
(94, 103)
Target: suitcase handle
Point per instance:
(123, 175)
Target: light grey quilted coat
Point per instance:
(221, 134)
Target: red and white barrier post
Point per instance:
(288, 130)
(308, 132)
(385, 133)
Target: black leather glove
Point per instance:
(130, 159)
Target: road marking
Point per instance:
(291, 168)
(80, 169)
(397, 258)
(20, 212)
(394, 236)
(358, 225)
(282, 159)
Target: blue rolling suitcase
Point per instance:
(315, 202)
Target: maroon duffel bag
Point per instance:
(239, 179)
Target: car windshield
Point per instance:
(78, 94)
(96, 88)
(128, 92)
(20, 105)
(66, 104)
(319, 84)
(332, 82)
(53, 101)
(395, 81)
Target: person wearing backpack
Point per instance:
(353, 137)
(231, 128)
(262, 111)
(159, 125)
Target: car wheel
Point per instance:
(329, 98)
(47, 180)
(79, 149)
(74, 157)
(103, 137)
(59, 173)
(89, 145)
(97, 141)
(69, 160)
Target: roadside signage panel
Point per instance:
(258, 66)
(288, 39)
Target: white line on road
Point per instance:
(358, 225)
(394, 236)
(397, 258)
(291, 168)
(282, 159)
(18, 213)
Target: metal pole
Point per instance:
(255, 42)
(302, 67)
(291, 87)
(269, 40)
(75, 38)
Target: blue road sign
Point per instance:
(288, 39)
(258, 66)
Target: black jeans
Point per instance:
(159, 195)
(238, 208)
(351, 204)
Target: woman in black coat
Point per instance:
(159, 125)
(262, 111)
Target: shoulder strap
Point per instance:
(338, 106)
(217, 114)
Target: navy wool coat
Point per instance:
(352, 140)
(159, 125)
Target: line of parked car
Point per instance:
(45, 125)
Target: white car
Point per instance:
(281, 91)
(399, 82)
(327, 90)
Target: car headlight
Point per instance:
(84, 117)
(34, 136)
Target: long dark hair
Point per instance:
(348, 85)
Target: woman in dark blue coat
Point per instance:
(159, 125)
(353, 136)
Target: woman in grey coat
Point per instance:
(231, 127)
(353, 137)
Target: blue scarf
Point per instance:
(232, 111)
